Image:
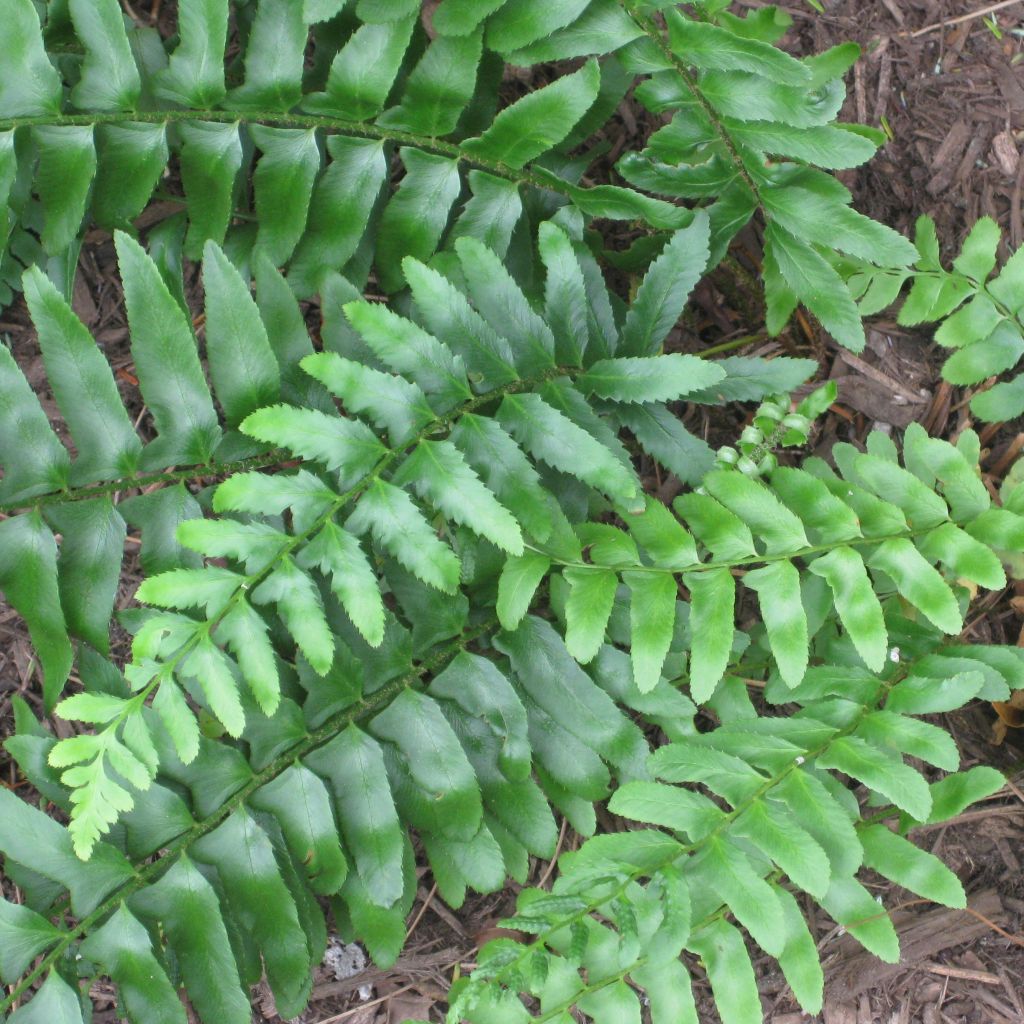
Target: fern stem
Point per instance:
(128, 483)
(740, 563)
(276, 119)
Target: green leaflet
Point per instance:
(506, 309)
(194, 76)
(539, 121)
(435, 760)
(755, 504)
(339, 211)
(725, 535)
(779, 836)
(921, 505)
(302, 805)
(955, 792)
(414, 219)
(649, 379)
(109, 78)
(30, 837)
(665, 288)
(242, 365)
(663, 437)
(245, 634)
(30, 85)
(55, 1001)
(67, 165)
(460, 17)
(603, 27)
(662, 536)
(363, 71)
(476, 685)
(727, 869)
(28, 578)
(799, 958)
(914, 869)
(273, 58)
(919, 583)
(670, 806)
(408, 349)
(667, 986)
(353, 766)
(391, 402)
(617, 1002)
(817, 286)
(211, 156)
(721, 949)
(824, 145)
(816, 219)
(829, 518)
(565, 294)
(516, 588)
(652, 617)
(23, 934)
(99, 425)
(185, 904)
(130, 160)
(208, 665)
(886, 774)
(396, 524)
(164, 350)
(299, 604)
(923, 695)
(556, 440)
(712, 595)
(977, 257)
(849, 903)
(901, 734)
(710, 47)
(447, 314)
(439, 473)
(778, 589)
(283, 186)
(538, 658)
(858, 607)
(89, 566)
(345, 445)
(439, 87)
(263, 907)
(339, 555)
(517, 25)
(122, 945)
(506, 470)
(587, 610)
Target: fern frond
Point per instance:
(425, 591)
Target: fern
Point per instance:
(980, 311)
(402, 576)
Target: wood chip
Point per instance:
(985, 977)
(1006, 154)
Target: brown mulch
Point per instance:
(952, 99)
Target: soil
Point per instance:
(948, 87)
